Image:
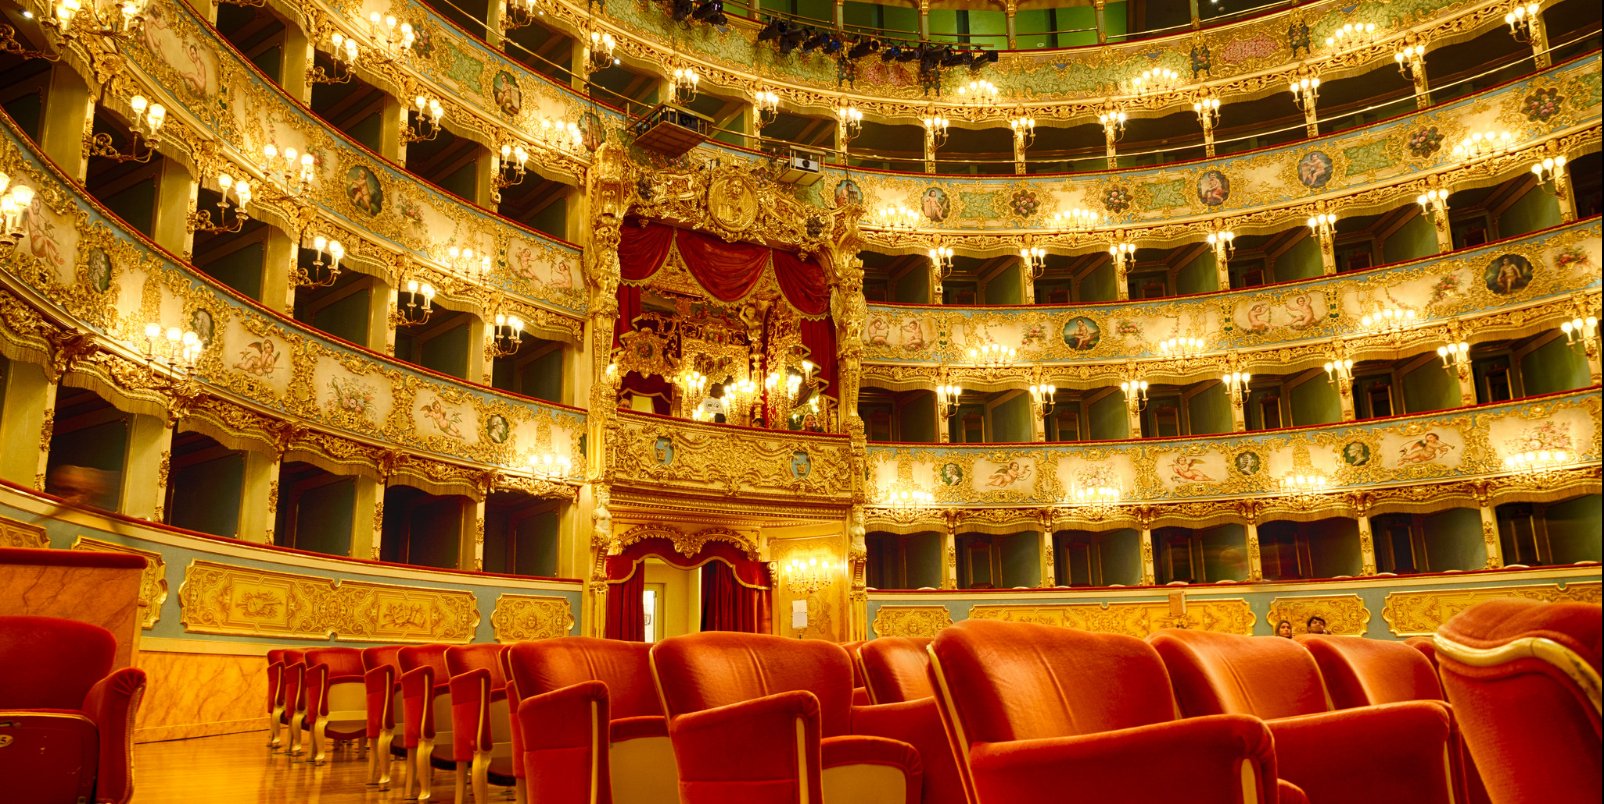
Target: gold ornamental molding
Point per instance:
(519, 618)
(686, 543)
(1344, 614)
(1137, 619)
(1421, 613)
(911, 621)
(22, 534)
(237, 601)
(152, 580)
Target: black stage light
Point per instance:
(929, 57)
(861, 48)
(771, 31)
(891, 53)
(952, 58)
(910, 53)
(681, 10)
(987, 57)
(814, 41)
(832, 45)
(790, 39)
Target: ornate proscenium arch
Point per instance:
(686, 544)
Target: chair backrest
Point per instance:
(415, 656)
(342, 662)
(851, 648)
(1019, 681)
(1362, 672)
(897, 669)
(1427, 647)
(381, 656)
(1523, 678)
(479, 656)
(1229, 674)
(51, 663)
(702, 671)
(548, 665)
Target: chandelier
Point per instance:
(979, 92)
(519, 14)
(325, 265)
(110, 20)
(691, 382)
(898, 217)
(1223, 242)
(1154, 80)
(682, 85)
(292, 172)
(1352, 34)
(1181, 347)
(550, 466)
(909, 499)
(1095, 498)
(1076, 219)
(14, 202)
(1306, 487)
(1123, 253)
(1481, 144)
(200, 220)
(464, 261)
(1389, 318)
(599, 54)
(512, 168)
(1236, 383)
(1323, 224)
(1113, 123)
(1411, 58)
(993, 355)
(174, 350)
(1536, 460)
(803, 578)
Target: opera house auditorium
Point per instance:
(801, 401)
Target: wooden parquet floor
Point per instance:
(237, 769)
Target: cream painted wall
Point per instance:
(681, 604)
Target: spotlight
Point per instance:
(832, 45)
(814, 41)
(861, 48)
(790, 38)
(705, 9)
(986, 57)
(771, 31)
(908, 54)
(929, 57)
(953, 58)
(891, 53)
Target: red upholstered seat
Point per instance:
(481, 743)
(1524, 681)
(593, 725)
(336, 697)
(759, 719)
(1364, 672)
(423, 688)
(66, 720)
(1401, 747)
(381, 681)
(1044, 714)
(897, 669)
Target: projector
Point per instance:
(802, 168)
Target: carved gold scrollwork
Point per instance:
(911, 621)
(152, 581)
(518, 618)
(1344, 614)
(1422, 612)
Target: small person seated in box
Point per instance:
(1316, 625)
(713, 408)
(1284, 629)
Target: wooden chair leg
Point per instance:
(276, 741)
(380, 759)
(461, 795)
(520, 792)
(320, 741)
(295, 734)
(425, 770)
(409, 775)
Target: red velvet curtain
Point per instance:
(818, 335)
(802, 282)
(642, 249)
(729, 606)
(728, 271)
(626, 606)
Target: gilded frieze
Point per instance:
(152, 581)
(1344, 614)
(520, 618)
(727, 460)
(222, 599)
(22, 534)
(911, 621)
(1138, 619)
(1421, 612)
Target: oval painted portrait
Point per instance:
(363, 189)
(847, 192)
(1314, 170)
(1213, 188)
(1508, 273)
(1081, 334)
(98, 267)
(935, 204)
(505, 92)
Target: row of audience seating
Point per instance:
(986, 713)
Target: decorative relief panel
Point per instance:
(223, 599)
(1520, 275)
(728, 460)
(1441, 447)
(1344, 614)
(911, 621)
(1137, 619)
(519, 618)
(22, 534)
(152, 582)
(1422, 612)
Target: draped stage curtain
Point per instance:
(740, 602)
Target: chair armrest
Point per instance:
(470, 713)
(917, 723)
(776, 738)
(417, 699)
(1200, 760)
(565, 750)
(380, 684)
(113, 704)
(1403, 748)
(856, 749)
(636, 728)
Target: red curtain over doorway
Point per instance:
(740, 587)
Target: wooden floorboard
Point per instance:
(238, 768)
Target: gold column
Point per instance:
(176, 192)
(367, 524)
(1367, 546)
(1541, 57)
(1564, 193)
(1049, 566)
(1144, 519)
(1445, 234)
(298, 57)
(144, 479)
(258, 497)
(27, 417)
(1102, 24)
(1328, 254)
(1489, 529)
(1422, 88)
(68, 120)
(279, 256)
(473, 535)
(924, 19)
(1010, 9)
(1255, 560)
(949, 552)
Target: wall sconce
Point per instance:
(1455, 356)
(936, 129)
(325, 265)
(1223, 242)
(1433, 200)
(1113, 122)
(519, 14)
(1236, 384)
(292, 171)
(512, 168)
(110, 20)
(993, 355)
(1135, 393)
(1339, 373)
(806, 577)
(1153, 81)
(1207, 107)
(1482, 144)
(909, 500)
(691, 382)
(423, 124)
(1520, 20)
(142, 134)
(1124, 254)
(464, 261)
(1043, 397)
(1536, 461)
(979, 92)
(1034, 259)
(175, 350)
(599, 53)
(1411, 58)
(548, 466)
(394, 38)
(1076, 219)
(1024, 128)
(15, 199)
(1305, 91)
(1182, 347)
(947, 400)
(1550, 173)
(419, 305)
(1389, 318)
(682, 85)
(941, 260)
(899, 218)
(765, 107)
(851, 122)
(1307, 487)
(342, 54)
(1323, 224)
(1352, 35)
(1578, 331)
(1094, 497)
(506, 335)
(200, 220)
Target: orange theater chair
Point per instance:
(897, 669)
(1524, 681)
(423, 686)
(860, 688)
(1365, 672)
(515, 739)
(592, 726)
(1042, 715)
(336, 698)
(481, 745)
(1402, 748)
(381, 681)
(758, 719)
(66, 720)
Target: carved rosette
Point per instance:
(911, 621)
(519, 618)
